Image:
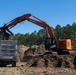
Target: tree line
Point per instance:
(37, 38)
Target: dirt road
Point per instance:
(23, 69)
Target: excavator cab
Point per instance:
(50, 43)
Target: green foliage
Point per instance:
(30, 39)
(68, 31)
(58, 32)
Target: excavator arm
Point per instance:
(4, 30)
(17, 20)
(35, 20)
(42, 24)
(50, 41)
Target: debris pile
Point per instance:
(35, 57)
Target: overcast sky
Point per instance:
(53, 12)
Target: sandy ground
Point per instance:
(23, 69)
(31, 62)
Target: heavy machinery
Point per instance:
(50, 44)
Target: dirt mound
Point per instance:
(51, 61)
(34, 57)
(40, 61)
(20, 53)
(33, 51)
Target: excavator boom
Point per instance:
(17, 20)
(34, 20)
(43, 25)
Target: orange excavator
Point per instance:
(50, 44)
